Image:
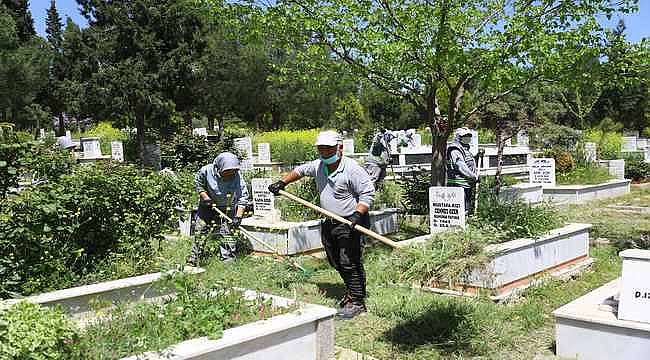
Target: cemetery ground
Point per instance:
(407, 323)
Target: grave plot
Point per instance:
(196, 322)
(636, 202)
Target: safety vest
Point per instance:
(454, 177)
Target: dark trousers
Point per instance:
(213, 225)
(344, 249)
(469, 200)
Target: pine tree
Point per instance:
(19, 10)
(56, 76)
(54, 27)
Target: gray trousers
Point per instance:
(214, 226)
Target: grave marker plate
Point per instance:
(246, 165)
(42, 133)
(200, 132)
(348, 146)
(264, 153)
(418, 140)
(91, 147)
(522, 138)
(245, 145)
(68, 134)
(263, 200)
(591, 154)
(473, 146)
(117, 151)
(542, 171)
(446, 208)
(646, 155)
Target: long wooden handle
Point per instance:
(340, 219)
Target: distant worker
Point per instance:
(346, 190)
(214, 183)
(379, 156)
(461, 166)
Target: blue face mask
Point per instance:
(330, 160)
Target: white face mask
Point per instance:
(466, 140)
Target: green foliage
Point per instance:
(305, 188)
(486, 136)
(446, 256)
(608, 143)
(563, 159)
(14, 158)
(636, 168)
(512, 217)
(29, 331)
(416, 192)
(184, 150)
(388, 195)
(349, 115)
(106, 134)
(584, 175)
(552, 135)
(289, 147)
(197, 311)
(57, 232)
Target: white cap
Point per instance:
(463, 132)
(328, 138)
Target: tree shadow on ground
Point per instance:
(449, 327)
(331, 290)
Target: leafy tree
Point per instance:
(434, 53)
(19, 11)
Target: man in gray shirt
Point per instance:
(346, 190)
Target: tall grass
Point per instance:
(289, 147)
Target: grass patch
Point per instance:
(637, 197)
(584, 175)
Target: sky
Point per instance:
(638, 24)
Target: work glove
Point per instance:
(206, 202)
(236, 221)
(276, 187)
(355, 219)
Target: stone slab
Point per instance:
(588, 329)
(578, 194)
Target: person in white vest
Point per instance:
(461, 166)
(379, 156)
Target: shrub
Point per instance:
(185, 150)
(636, 168)
(563, 159)
(292, 211)
(416, 192)
(552, 135)
(608, 144)
(389, 195)
(53, 234)
(29, 331)
(289, 147)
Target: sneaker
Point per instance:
(351, 310)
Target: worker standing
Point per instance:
(379, 157)
(461, 166)
(215, 183)
(346, 190)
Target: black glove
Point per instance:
(276, 187)
(236, 221)
(206, 202)
(355, 219)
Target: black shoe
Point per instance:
(351, 310)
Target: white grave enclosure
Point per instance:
(264, 152)
(446, 208)
(590, 152)
(245, 145)
(117, 151)
(629, 143)
(542, 171)
(418, 140)
(473, 146)
(263, 200)
(634, 300)
(348, 146)
(646, 155)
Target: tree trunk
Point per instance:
(210, 123)
(187, 117)
(275, 120)
(61, 125)
(438, 158)
(500, 145)
(139, 126)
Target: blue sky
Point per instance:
(638, 24)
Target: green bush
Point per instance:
(552, 135)
(389, 195)
(608, 144)
(185, 150)
(57, 232)
(416, 192)
(291, 211)
(584, 175)
(106, 134)
(514, 219)
(29, 331)
(636, 168)
(289, 147)
(563, 159)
